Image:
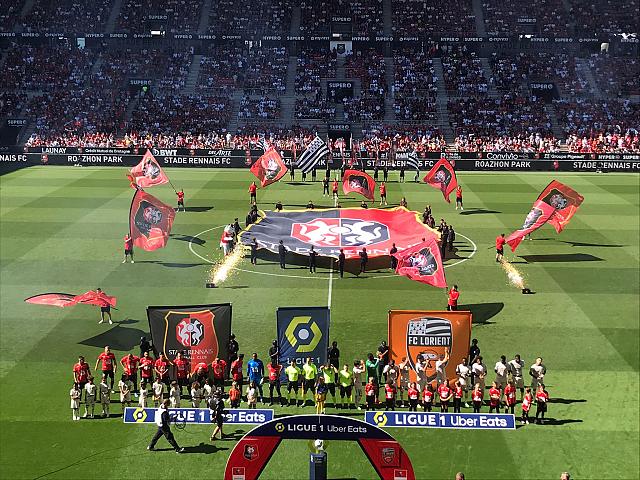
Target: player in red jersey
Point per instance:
(459, 198)
(444, 392)
(458, 392)
(500, 241)
(81, 373)
(383, 194)
(161, 368)
(130, 367)
(236, 371)
(180, 195)
(146, 370)
(105, 308)
(413, 395)
(510, 397)
(201, 373)
(108, 366)
(370, 393)
(427, 397)
(526, 405)
(452, 302)
(274, 381)
(182, 371)
(128, 248)
(390, 396)
(335, 192)
(252, 192)
(218, 367)
(476, 397)
(542, 397)
(494, 398)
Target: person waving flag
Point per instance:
(442, 176)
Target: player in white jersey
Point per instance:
(105, 395)
(158, 389)
(207, 391)
(479, 370)
(196, 395)
(144, 397)
(358, 370)
(75, 394)
(404, 368)
(174, 395)
(464, 372)
(441, 366)
(90, 398)
(515, 369)
(125, 386)
(537, 372)
(421, 372)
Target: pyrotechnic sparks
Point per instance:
(221, 271)
(514, 276)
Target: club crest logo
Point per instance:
(532, 218)
(271, 168)
(556, 199)
(250, 451)
(340, 232)
(147, 217)
(151, 170)
(358, 182)
(424, 262)
(442, 175)
(190, 332)
(427, 339)
(389, 456)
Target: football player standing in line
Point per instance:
(515, 368)
(76, 394)
(463, 371)
(358, 370)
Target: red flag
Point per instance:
(62, 300)
(442, 176)
(148, 172)
(269, 168)
(150, 221)
(539, 215)
(359, 182)
(422, 263)
(93, 297)
(564, 200)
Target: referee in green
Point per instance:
(292, 372)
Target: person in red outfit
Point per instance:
(180, 195)
(161, 367)
(274, 381)
(526, 405)
(542, 397)
(146, 370)
(81, 373)
(335, 192)
(510, 397)
(459, 198)
(236, 371)
(128, 248)
(427, 398)
(383, 194)
(458, 392)
(413, 394)
(201, 373)
(108, 366)
(130, 366)
(370, 392)
(494, 398)
(218, 367)
(500, 241)
(253, 188)
(476, 397)
(390, 396)
(444, 392)
(452, 303)
(182, 371)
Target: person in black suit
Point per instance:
(282, 252)
(254, 251)
(394, 260)
(312, 260)
(341, 260)
(364, 258)
(163, 420)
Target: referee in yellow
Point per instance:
(310, 373)
(292, 372)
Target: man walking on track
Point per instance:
(163, 420)
(128, 248)
(454, 294)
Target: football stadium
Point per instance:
(366, 239)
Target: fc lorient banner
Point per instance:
(303, 332)
(328, 231)
(466, 421)
(200, 332)
(423, 336)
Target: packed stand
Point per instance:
(367, 108)
(542, 17)
(432, 18)
(40, 68)
(311, 68)
(558, 68)
(414, 74)
(268, 17)
(177, 16)
(314, 107)
(509, 71)
(599, 126)
(262, 108)
(415, 109)
(11, 104)
(180, 113)
(616, 76)
(10, 13)
(367, 17)
(222, 70)
(67, 16)
(463, 71)
(593, 19)
(266, 70)
(421, 138)
(315, 17)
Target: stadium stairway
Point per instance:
(287, 109)
(442, 99)
(387, 18)
(488, 73)
(582, 67)
(477, 11)
(235, 109)
(204, 17)
(28, 6)
(113, 16)
(296, 16)
(192, 79)
(290, 86)
(555, 124)
(389, 114)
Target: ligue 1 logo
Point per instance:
(340, 232)
(428, 337)
(190, 332)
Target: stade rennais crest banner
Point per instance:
(269, 168)
(201, 332)
(359, 182)
(422, 263)
(150, 221)
(414, 333)
(303, 332)
(442, 176)
(330, 230)
(148, 172)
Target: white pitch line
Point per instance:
(331, 279)
(330, 285)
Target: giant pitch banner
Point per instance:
(427, 333)
(200, 332)
(481, 421)
(238, 416)
(303, 332)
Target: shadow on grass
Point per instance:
(582, 244)
(204, 448)
(566, 401)
(187, 238)
(198, 209)
(483, 312)
(561, 257)
(478, 211)
(560, 421)
(118, 338)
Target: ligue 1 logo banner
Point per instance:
(423, 334)
(303, 332)
(200, 332)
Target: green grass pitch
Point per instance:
(61, 231)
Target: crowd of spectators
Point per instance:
(505, 143)
(314, 107)
(261, 108)
(509, 71)
(542, 17)
(268, 17)
(67, 16)
(616, 76)
(432, 18)
(176, 16)
(366, 108)
(414, 74)
(596, 18)
(12, 103)
(463, 71)
(369, 66)
(415, 109)
(221, 70)
(421, 138)
(366, 16)
(266, 70)
(559, 68)
(312, 67)
(9, 13)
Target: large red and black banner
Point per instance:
(564, 200)
(148, 172)
(350, 229)
(422, 263)
(359, 182)
(443, 177)
(269, 168)
(539, 215)
(150, 221)
(200, 332)
(62, 300)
